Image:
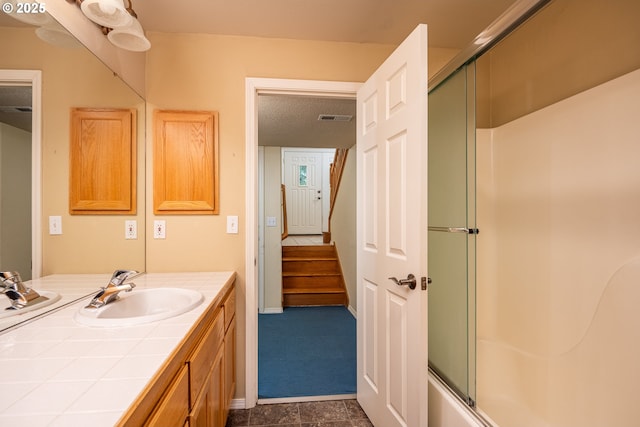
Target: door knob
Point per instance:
(410, 281)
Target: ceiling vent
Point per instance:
(334, 118)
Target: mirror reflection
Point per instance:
(38, 236)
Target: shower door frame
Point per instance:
(468, 395)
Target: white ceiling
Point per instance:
(293, 121)
(452, 23)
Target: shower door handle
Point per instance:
(410, 281)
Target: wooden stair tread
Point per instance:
(311, 276)
(312, 291)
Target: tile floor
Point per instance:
(329, 413)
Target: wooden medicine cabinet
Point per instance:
(102, 178)
(185, 163)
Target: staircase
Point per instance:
(311, 275)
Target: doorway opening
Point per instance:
(20, 143)
(255, 88)
(307, 342)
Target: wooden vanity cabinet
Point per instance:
(196, 386)
(207, 409)
(173, 409)
(229, 359)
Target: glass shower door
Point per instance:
(452, 232)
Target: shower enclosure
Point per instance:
(534, 221)
(452, 232)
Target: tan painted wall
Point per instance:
(208, 72)
(183, 71)
(567, 47)
(272, 235)
(130, 66)
(75, 78)
(343, 227)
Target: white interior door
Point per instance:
(303, 183)
(392, 237)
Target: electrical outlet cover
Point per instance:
(159, 229)
(130, 229)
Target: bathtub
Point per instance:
(591, 383)
(446, 409)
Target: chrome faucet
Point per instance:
(117, 284)
(20, 295)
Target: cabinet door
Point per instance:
(207, 410)
(203, 357)
(215, 392)
(174, 407)
(199, 416)
(229, 366)
(229, 306)
(185, 163)
(102, 162)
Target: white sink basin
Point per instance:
(141, 306)
(46, 299)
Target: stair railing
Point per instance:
(335, 173)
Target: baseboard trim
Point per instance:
(237, 404)
(305, 399)
(353, 311)
(273, 310)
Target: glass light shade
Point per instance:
(130, 37)
(55, 35)
(108, 13)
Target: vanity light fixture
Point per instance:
(130, 37)
(119, 23)
(54, 34)
(107, 13)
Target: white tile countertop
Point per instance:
(57, 372)
(70, 287)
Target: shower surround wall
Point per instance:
(558, 267)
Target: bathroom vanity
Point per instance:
(179, 371)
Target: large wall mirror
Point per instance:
(34, 163)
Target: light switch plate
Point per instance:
(271, 221)
(232, 224)
(55, 225)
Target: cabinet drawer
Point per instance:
(173, 410)
(204, 354)
(229, 305)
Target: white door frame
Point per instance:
(34, 79)
(253, 87)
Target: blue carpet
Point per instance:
(306, 351)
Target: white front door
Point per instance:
(303, 184)
(392, 237)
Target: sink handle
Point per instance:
(121, 276)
